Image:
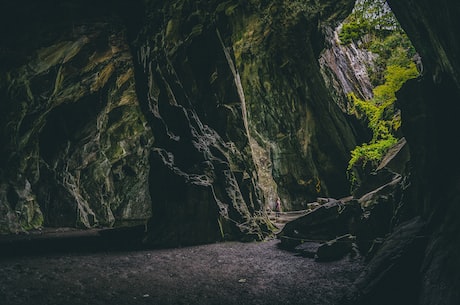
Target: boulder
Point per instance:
(326, 222)
(392, 166)
(368, 218)
(336, 248)
(396, 158)
(308, 249)
(380, 207)
(373, 180)
(395, 267)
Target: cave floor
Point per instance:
(220, 273)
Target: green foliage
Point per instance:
(380, 116)
(392, 44)
(372, 152)
(395, 77)
(373, 26)
(372, 17)
(353, 31)
(394, 51)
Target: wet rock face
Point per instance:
(75, 144)
(231, 93)
(234, 95)
(345, 68)
(203, 179)
(300, 138)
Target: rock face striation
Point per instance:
(345, 68)
(276, 52)
(75, 144)
(197, 114)
(233, 115)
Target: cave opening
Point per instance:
(366, 60)
(229, 106)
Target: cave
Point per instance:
(144, 144)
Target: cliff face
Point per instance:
(203, 179)
(198, 114)
(75, 144)
(276, 49)
(345, 68)
(233, 91)
(429, 107)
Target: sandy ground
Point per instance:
(221, 274)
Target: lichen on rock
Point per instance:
(75, 138)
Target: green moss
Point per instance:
(381, 118)
(380, 115)
(395, 66)
(372, 152)
(30, 216)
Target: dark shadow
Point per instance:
(73, 241)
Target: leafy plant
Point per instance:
(353, 31)
(372, 152)
(380, 116)
(384, 37)
(368, 17)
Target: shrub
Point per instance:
(394, 66)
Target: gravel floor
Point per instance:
(221, 273)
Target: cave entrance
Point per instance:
(372, 46)
(368, 59)
(372, 31)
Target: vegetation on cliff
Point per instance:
(373, 26)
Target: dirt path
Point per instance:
(285, 217)
(221, 274)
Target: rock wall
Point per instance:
(74, 143)
(194, 113)
(345, 68)
(298, 156)
(238, 85)
(430, 107)
(203, 180)
(425, 249)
